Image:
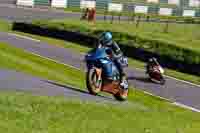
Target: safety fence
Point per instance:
(167, 7)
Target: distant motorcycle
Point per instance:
(156, 75)
(103, 75)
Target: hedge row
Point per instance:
(139, 47)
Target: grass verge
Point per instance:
(19, 60)
(26, 113)
(5, 26)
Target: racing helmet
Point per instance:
(106, 38)
(152, 60)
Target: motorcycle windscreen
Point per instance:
(161, 70)
(110, 70)
(96, 54)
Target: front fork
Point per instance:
(99, 73)
(97, 70)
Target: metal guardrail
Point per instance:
(127, 6)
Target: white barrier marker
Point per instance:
(114, 7)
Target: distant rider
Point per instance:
(152, 62)
(106, 40)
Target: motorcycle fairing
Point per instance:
(110, 70)
(99, 58)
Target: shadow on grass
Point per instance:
(77, 90)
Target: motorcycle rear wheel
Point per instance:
(93, 85)
(162, 81)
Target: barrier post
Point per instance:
(166, 28)
(112, 18)
(82, 14)
(94, 15)
(133, 17)
(105, 15)
(119, 17)
(138, 21)
(85, 13)
(148, 18)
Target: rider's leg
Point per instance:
(123, 81)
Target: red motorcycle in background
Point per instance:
(156, 74)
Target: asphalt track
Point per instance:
(174, 90)
(11, 80)
(8, 1)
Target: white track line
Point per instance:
(174, 103)
(52, 60)
(148, 93)
(185, 106)
(187, 82)
(25, 37)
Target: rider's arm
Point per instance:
(117, 51)
(99, 44)
(157, 63)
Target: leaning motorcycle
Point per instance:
(103, 74)
(157, 75)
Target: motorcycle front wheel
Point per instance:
(92, 81)
(162, 80)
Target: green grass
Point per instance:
(26, 113)
(5, 26)
(132, 62)
(20, 60)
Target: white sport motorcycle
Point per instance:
(157, 75)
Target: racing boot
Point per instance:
(124, 86)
